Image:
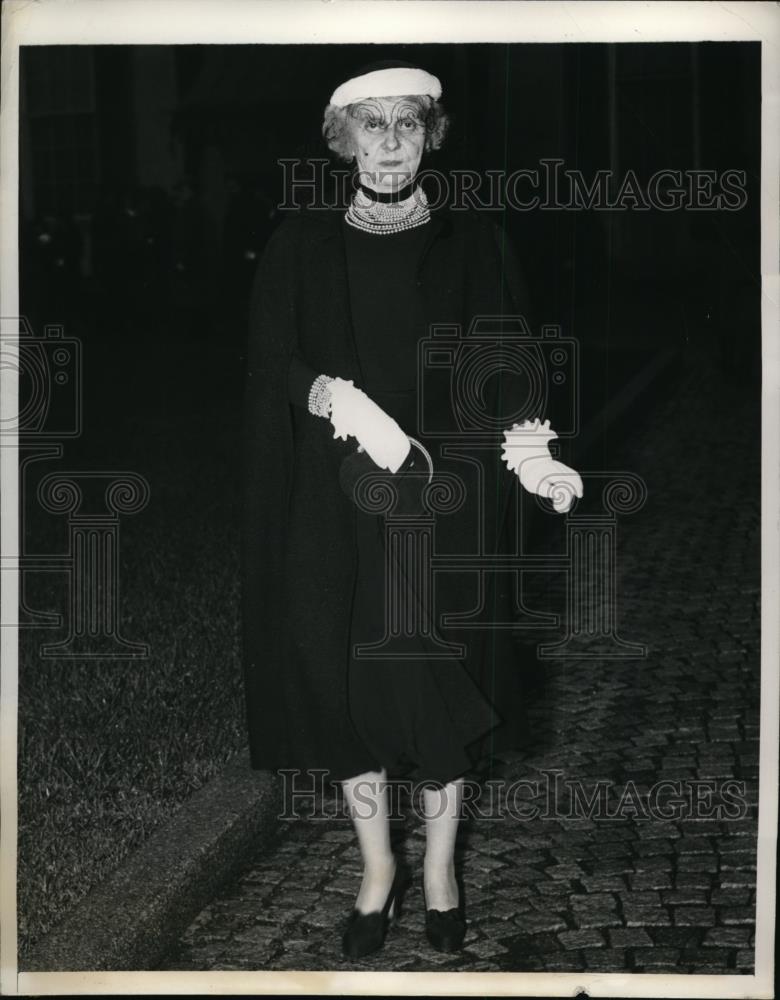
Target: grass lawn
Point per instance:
(108, 749)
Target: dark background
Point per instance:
(150, 182)
(149, 178)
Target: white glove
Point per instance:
(527, 454)
(353, 414)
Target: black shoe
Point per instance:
(445, 929)
(365, 932)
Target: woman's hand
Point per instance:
(354, 414)
(527, 453)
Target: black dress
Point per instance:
(299, 551)
(416, 716)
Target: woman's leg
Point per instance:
(368, 801)
(441, 808)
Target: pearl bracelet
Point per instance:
(319, 396)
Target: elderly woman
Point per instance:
(340, 304)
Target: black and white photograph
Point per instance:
(391, 490)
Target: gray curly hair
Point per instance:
(335, 125)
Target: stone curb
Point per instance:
(131, 920)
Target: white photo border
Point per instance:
(170, 22)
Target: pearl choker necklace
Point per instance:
(382, 217)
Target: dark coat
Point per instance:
(298, 554)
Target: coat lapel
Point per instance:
(327, 245)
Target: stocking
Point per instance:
(367, 798)
(442, 814)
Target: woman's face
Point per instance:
(387, 138)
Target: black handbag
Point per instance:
(359, 475)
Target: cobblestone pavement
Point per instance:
(561, 890)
